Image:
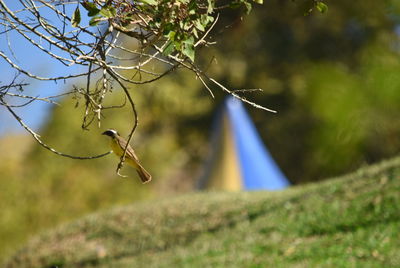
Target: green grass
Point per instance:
(353, 221)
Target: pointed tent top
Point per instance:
(258, 168)
(240, 160)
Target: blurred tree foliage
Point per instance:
(333, 78)
(40, 189)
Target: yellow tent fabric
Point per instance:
(239, 160)
(226, 175)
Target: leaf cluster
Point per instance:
(181, 24)
(308, 6)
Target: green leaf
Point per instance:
(178, 45)
(93, 12)
(171, 35)
(94, 21)
(189, 51)
(168, 27)
(199, 25)
(248, 7)
(322, 7)
(205, 19)
(210, 7)
(91, 8)
(149, 2)
(169, 48)
(108, 11)
(189, 41)
(76, 18)
(259, 1)
(235, 4)
(194, 31)
(188, 48)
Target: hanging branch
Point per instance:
(148, 37)
(37, 138)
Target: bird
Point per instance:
(118, 145)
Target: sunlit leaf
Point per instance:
(169, 48)
(91, 8)
(94, 21)
(248, 7)
(188, 49)
(199, 25)
(322, 7)
(210, 6)
(108, 11)
(149, 2)
(76, 18)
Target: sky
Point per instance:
(26, 55)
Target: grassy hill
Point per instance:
(353, 221)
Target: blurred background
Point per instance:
(333, 79)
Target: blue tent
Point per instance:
(240, 160)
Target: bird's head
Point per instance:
(110, 133)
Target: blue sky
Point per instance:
(26, 55)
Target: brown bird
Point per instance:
(118, 145)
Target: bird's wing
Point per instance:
(129, 152)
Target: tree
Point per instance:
(118, 43)
(166, 32)
(331, 77)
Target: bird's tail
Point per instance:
(143, 174)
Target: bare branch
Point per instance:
(255, 105)
(135, 118)
(37, 138)
(128, 47)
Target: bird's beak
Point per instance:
(104, 133)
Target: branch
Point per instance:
(37, 138)
(255, 105)
(135, 124)
(46, 26)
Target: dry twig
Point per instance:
(106, 52)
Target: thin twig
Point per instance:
(255, 105)
(135, 116)
(37, 138)
(46, 26)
